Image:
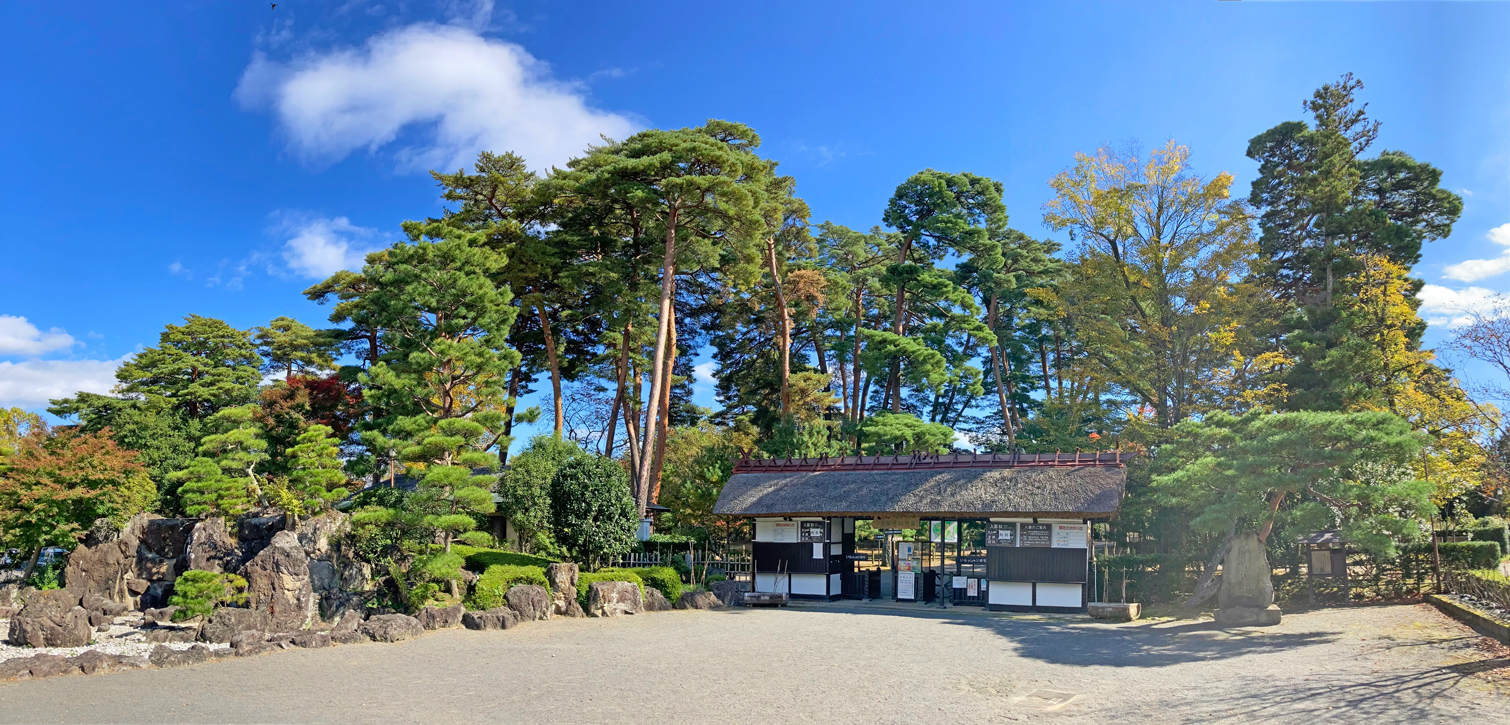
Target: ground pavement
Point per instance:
(834, 663)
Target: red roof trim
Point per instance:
(932, 461)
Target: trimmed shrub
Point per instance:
(479, 560)
(1466, 554)
(592, 514)
(494, 583)
(663, 578)
(1498, 534)
(197, 593)
(608, 575)
(479, 539)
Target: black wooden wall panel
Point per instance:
(1035, 564)
(795, 558)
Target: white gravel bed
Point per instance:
(123, 638)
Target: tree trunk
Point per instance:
(31, 564)
(508, 413)
(899, 327)
(857, 408)
(632, 426)
(1208, 585)
(1274, 499)
(663, 424)
(1059, 365)
(555, 366)
(784, 334)
(621, 372)
(663, 331)
(1043, 357)
(1001, 391)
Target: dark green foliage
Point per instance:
(380, 496)
(591, 509)
(47, 577)
(314, 471)
(607, 575)
(165, 439)
(525, 488)
(480, 560)
(900, 433)
(293, 348)
(1496, 533)
(197, 593)
(199, 367)
(494, 583)
(1465, 554)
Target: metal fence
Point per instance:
(734, 564)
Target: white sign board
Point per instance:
(785, 532)
(951, 532)
(959, 582)
(817, 551)
(1070, 536)
(972, 589)
(906, 582)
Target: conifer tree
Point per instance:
(314, 475)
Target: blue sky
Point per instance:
(216, 158)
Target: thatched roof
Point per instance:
(931, 488)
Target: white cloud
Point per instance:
(466, 93)
(962, 441)
(703, 373)
(1455, 308)
(1476, 269)
(31, 383)
(19, 337)
(318, 247)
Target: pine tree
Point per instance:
(315, 475)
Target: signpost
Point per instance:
(785, 532)
(1036, 535)
(1001, 534)
(951, 532)
(814, 531)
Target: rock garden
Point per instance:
(167, 592)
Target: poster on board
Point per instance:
(951, 532)
(935, 531)
(818, 551)
(1035, 535)
(960, 582)
(906, 585)
(785, 532)
(972, 588)
(1001, 534)
(814, 531)
(1071, 536)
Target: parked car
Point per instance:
(52, 555)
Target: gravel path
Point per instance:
(834, 663)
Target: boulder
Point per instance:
(51, 619)
(167, 538)
(163, 635)
(227, 622)
(210, 547)
(100, 571)
(1246, 597)
(8, 612)
(255, 531)
(529, 601)
(499, 618)
(334, 605)
(698, 600)
(95, 604)
(352, 637)
(562, 577)
(355, 576)
(38, 666)
(316, 533)
(158, 595)
(311, 640)
(612, 599)
(730, 592)
(441, 617)
(655, 601)
(137, 587)
(160, 615)
(247, 638)
(349, 622)
(322, 576)
(10, 595)
(101, 622)
(278, 583)
(252, 649)
(391, 628)
(155, 568)
(93, 662)
(165, 656)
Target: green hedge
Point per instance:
(1499, 534)
(1462, 554)
(479, 560)
(607, 575)
(489, 590)
(664, 578)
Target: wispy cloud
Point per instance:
(456, 90)
(703, 373)
(317, 247)
(1473, 270)
(1455, 308)
(18, 336)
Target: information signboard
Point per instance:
(814, 531)
(895, 521)
(935, 531)
(959, 582)
(906, 585)
(785, 532)
(1001, 534)
(951, 532)
(972, 588)
(1071, 536)
(1036, 535)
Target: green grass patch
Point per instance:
(491, 588)
(664, 578)
(479, 560)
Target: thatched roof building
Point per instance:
(1079, 486)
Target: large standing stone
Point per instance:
(10, 595)
(51, 619)
(730, 592)
(391, 628)
(278, 584)
(316, 533)
(154, 568)
(529, 601)
(210, 547)
(356, 576)
(563, 580)
(611, 599)
(655, 601)
(255, 531)
(167, 538)
(100, 571)
(698, 600)
(1246, 597)
(441, 617)
(227, 622)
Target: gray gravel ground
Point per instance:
(834, 663)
